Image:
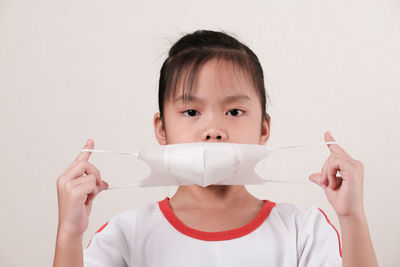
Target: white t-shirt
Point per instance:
(281, 235)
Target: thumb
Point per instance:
(315, 178)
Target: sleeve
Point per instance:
(108, 247)
(319, 241)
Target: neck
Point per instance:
(213, 196)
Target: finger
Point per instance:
(89, 199)
(336, 181)
(81, 168)
(331, 173)
(339, 182)
(341, 165)
(88, 188)
(334, 148)
(88, 205)
(85, 155)
(89, 179)
(85, 185)
(90, 196)
(316, 178)
(104, 185)
(324, 177)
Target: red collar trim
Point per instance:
(215, 236)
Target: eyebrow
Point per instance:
(228, 99)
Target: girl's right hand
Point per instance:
(76, 188)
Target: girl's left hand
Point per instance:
(344, 192)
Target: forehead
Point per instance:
(214, 80)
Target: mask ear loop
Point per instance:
(283, 181)
(299, 146)
(136, 154)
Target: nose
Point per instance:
(214, 135)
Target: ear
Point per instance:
(265, 129)
(159, 129)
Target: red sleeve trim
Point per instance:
(326, 217)
(215, 236)
(98, 231)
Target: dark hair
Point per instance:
(191, 51)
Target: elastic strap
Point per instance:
(298, 146)
(113, 152)
(122, 186)
(266, 180)
(271, 148)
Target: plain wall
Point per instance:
(72, 70)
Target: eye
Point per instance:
(236, 112)
(191, 112)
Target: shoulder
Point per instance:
(317, 238)
(303, 220)
(111, 244)
(123, 224)
(291, 213)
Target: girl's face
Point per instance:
(224, 108)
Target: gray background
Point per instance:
(70, 70)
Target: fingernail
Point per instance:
(87, 142)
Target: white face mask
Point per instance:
(203, 163)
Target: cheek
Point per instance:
(178, 131)
(249, 128)
(248, 131)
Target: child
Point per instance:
(211, 89)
